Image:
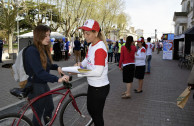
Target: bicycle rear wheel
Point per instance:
(12, 120)
(69, 116)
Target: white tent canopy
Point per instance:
(53, 35)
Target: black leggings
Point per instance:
(95, 103)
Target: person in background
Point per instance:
(97, 61)
(140, 58)
(61, 50)
(77, 50)
(149, 47)
(127, 65)
(116, 48)
(120, 45)
(1, 50)
(38, 62)
(82, 47)
(110, 51)
(57, 50)
(66, 48)
(158, 47)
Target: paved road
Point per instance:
(156, 106)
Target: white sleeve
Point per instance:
(142, 56)
(84, 63)
(94, 73)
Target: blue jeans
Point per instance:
(148, 58)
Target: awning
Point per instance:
(181, 36)
(55, 35)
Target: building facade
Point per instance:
(185, 19)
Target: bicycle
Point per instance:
(74, 115)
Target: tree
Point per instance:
(7, 22)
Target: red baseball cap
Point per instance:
(90, 25)
(140, 40)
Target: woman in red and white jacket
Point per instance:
(127, 65)
(140, 58)
(97, 61)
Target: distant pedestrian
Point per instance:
(57, 50)
(110, 52)
(149, 47)
(158, 47)
(77, 49)
(120, 46)
(82, 50)
(140, 58)
(127, 65)
(115, 50)
(1, 50)
(66, 48)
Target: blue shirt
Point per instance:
(77, 45)
(34, 67)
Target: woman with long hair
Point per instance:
(38, 64)
(96, 60)
(127, 65)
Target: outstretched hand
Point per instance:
(60, 71)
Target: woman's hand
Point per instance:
(60, 71)
(64, 78)
(78, 64)
(120, 68)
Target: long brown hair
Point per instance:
(44, 50)
(128, 43)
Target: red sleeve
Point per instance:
(100, 56)
(146, 46)
(143, 50)
(121, 57)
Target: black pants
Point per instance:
(110, 55)
(44, 106)
(95, 103)
(1, 54)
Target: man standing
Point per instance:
(149, 47)
(77, 50)
(1, 50)
(66, 48)
(119, 51)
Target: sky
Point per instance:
(152, 14)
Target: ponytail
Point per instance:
(103, 38)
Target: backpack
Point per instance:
(19, 70)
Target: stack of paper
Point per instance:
(74, 69)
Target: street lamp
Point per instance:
(18, 5)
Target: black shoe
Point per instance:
(139, 91)
(135, 89)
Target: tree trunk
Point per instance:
(10, 47)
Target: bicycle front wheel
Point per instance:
(69, 116)
(12, 120)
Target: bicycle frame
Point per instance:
(30, 103)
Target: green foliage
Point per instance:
(67, 15)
